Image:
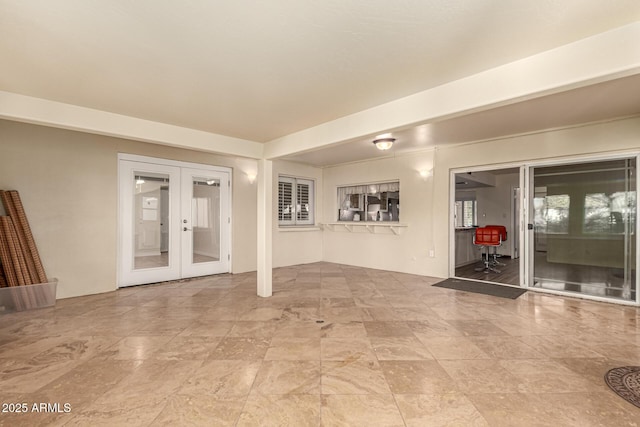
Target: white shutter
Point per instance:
(295, 201)
(304, 198)
(285, 201)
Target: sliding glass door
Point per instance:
(583, 217)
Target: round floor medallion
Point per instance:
(625, 381)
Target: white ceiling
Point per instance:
(259, 70)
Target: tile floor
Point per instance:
(390, 350)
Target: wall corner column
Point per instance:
(265, 227)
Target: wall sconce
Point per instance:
(426, 173)
(251, 177)
(383, 143)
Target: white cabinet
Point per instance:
(466, 251)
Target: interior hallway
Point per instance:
(334, 346)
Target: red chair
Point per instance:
(503, 237)
(486, 238)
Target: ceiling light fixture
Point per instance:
(384, 143)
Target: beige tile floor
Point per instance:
(334, 346)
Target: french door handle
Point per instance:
(186, 229)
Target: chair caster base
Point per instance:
(487, 270)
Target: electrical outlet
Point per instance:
(432, 253)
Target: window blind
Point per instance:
(285, 201)
(302, 202)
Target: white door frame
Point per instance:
(452, 220)
(526, 255)
(124, 208)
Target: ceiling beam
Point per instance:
(39, 111)
(606, 56)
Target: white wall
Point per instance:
(57, 173)
(68, 183)
(408, 251)
(293, 245)
(425, 205)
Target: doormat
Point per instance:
(481, 288)
(625, 382)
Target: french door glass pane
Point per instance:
(584, 228)
(151, 220)
(205, 220)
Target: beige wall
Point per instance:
(68, 183)
(425, 204)
(408, 251)
(296, 245)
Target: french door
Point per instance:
(174, 220)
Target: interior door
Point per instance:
(205, 222)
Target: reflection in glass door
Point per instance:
(205, 221)
(174, 222)
(151, 207)
(584, 221)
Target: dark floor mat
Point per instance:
(481, 288)
(625, 382)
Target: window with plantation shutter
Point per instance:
(285, 201)
(302, 202)
(295, 201)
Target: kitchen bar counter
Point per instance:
(466, 251)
